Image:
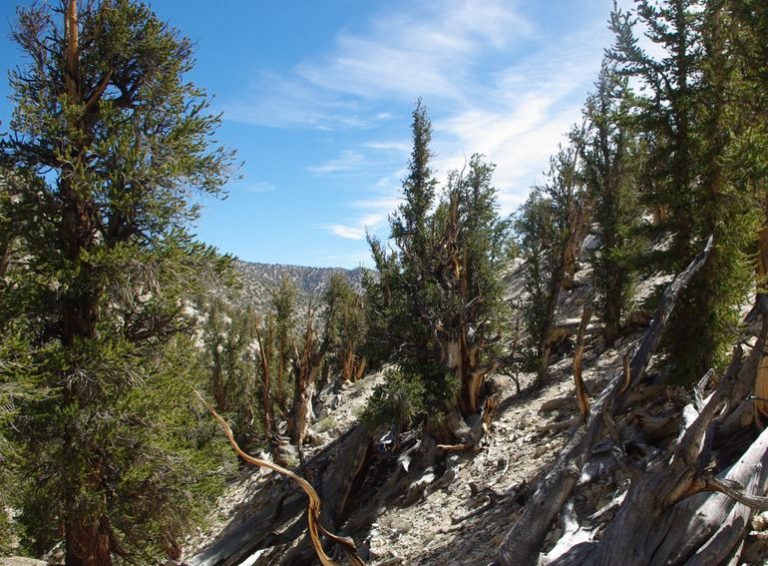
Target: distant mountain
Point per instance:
(259, 280)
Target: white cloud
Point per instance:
(396, 146)
(280, 102)
(449, 52)
(358, 229)
(348, 161)
(428, 51)
(524, 114)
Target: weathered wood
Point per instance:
(581, 390)
(332, 471)
(314, 526)
(666, 517)
(523, 543)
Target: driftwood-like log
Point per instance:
(274, 516)
(314, 526)
(668, 517)
(523, 543)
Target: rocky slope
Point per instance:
(459, 514)
(260, 280)
(460, 510)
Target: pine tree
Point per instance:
(437, 307)
(550, 227)
(284, 311)
(344, 322)
(113, 140)
(608, 150)
(684, 118)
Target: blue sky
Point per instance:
(316, 98)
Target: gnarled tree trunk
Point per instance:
(524, 541)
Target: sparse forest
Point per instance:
(584, 381)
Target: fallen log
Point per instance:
(669, 516)
(523, 543)
(273, 518)
(314, 525)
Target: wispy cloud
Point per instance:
(291, 102)
(396, 146)
(464, 58)
(358, 228)
(526, 111)
(349, 160)
(428, 51)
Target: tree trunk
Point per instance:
(666, 518)
(335, 473)
(523, 543)
(87, 540)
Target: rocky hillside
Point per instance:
(259, 280)
(408, 507)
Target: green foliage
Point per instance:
(104, 151)
(439, 295)
(284, 319)
(326, 424)
(399, 401)
(689, 117)
(229, 335)
(547, 228)
(345, 327)
(610, 154)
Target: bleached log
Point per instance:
(522, 544)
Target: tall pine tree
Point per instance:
(114, 141)
(437, 306)
(609, 162)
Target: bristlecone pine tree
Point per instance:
(344, 321)
(609, 156)
(438, 303)
(109, 141)
(686, 117)
(551, 226)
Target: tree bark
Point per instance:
(522, 544)
(335, 474)
(87, 541)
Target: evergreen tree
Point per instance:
(284, 312)
(550, 227)
(437, 306)
(113, 139)
(684, 118)
(229, 335)
(344, 323)
(609, 162)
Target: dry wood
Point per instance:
(581, 392)
(313, 507)
(523, 542)
(666, 517)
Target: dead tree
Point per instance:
(523, 543)
(315, 526)
(306, 368)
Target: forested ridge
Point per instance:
(582, 382)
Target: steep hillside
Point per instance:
(259, 280)
(407, 507)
